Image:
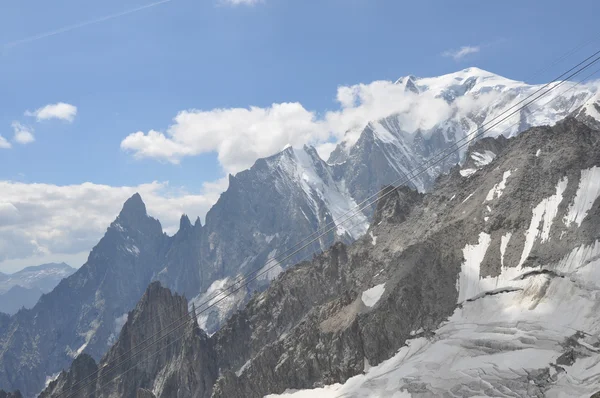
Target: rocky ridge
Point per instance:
(468, 276)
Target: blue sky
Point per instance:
(137, 71)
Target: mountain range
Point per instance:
(264, 213)
(22, 289)
(485, 286)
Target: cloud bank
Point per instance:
(239, 136)
(45, 222)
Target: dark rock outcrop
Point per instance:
(160, 349)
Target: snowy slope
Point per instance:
(500, 341)
(530, 328)
(436, 113)
(315, 179)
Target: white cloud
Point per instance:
(238, 135)
(241, 135)
(60, 110)
(44, 222)
(22, 134)
(4, 144)
(241, 2)
(461, 52)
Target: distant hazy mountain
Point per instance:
(24, 288)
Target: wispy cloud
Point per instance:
(241, 2)
(60, 110)
(461, 52)
(23, 134)
(82, 24)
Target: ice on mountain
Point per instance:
(468, 280)
(333, 194)
(496, 191)
(88, 337)
(587, 193)
(371, 296)
(216, 299)
(269, 238)
(468, 197)
(50, 379)
(503, 244)
(133, 249)
(271, 269)
(373, 238)
(482, 159)
(241, 370)
(544, 212)
(467, 172)
(490, 347)
(120, 322)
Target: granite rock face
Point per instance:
(160, 352)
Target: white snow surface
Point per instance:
(216, 295)
(271, 269)
(133, 249)
(94, 325)
(50, 379)
(490, 345)
(482, 159)
(467, 172)
(468, 197)
(503, 244)
(544, 212)
(590, 107)
(468, 280)
(323, 190)
(371, 296)
(373, 238)
(497, 190)
(587, 193)
(120, 322)
(464, 100)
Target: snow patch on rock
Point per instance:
(467, 172)
(587, 193)
(373, 238)
(482, 159)
(544, 212)
(371, 296)
(496, 191)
